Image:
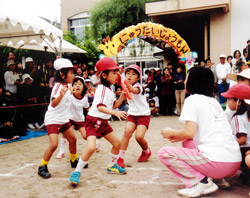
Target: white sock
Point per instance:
(122, 153)
(62, 145)
(113, 159)
(80, 165)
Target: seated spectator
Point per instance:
(28, 94)
(124, 105)
(7, 116)
(79, 71)
(11, 77)
(90, 91)
(153, 108)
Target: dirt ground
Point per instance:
(20, 160)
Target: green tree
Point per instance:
(108, 17)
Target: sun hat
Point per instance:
(24, 76)
(10, 62)
(239, 91)
(61, 63)
(87, 80)
(222, 56)
(133, 66)
(29, 59)
(106, 64)
(245, 73)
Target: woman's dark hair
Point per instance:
(104, 81)
(64, 71)
(242, 108)
(229, 57)
(236, 52)
(200, 81)
(84, 87)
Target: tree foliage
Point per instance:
(108, 17)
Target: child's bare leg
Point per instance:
(90, 149)
(83, 132)
(247, 158)
(129, 130)
(53, 143)
(115, 141)
(139, 136)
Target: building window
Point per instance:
(78, 23)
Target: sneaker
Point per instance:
(60, 155)
(43, 172)
(144, 156)
(98, 146)
(74, 164)
(115, 169)
(31, 126)
(199, 189)
(74, 177)
(120, 162)
(36, 125)
(222, 183)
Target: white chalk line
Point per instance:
(143, 182)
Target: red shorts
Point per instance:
(139, 120)
(57, 128)
(77, 125)
(97, 127)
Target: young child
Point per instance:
(240, 124)
(76, 116)
(153, 108)
(209, 148)
(57, 117)
(138, 116)
(97, 119)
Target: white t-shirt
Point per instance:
(94, 80)
(10, 78)
(222, 70)
(76, 108)
(214, 136)
(138, 106)
(60, 113)
(104, 96)
(240, 124)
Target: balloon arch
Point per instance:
(112, 46)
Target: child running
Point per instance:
(76, 116)
(240, 124)
(209, 148)
(57, 117)
(97, 119)
(138, 116)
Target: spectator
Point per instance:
(170, 68)
(95, 79)
(158, 82)
(151, 82)
(19, 70)
(179, 79)
(11, 56)
(222, 69)
(11, 77)
(167, 93)
(28, 66)
(79, 71)
(246, 50)
(90, 91)
(229, 60)
(237, 61)
(121, 72)
(7, 115)
(153, 108)
(85, 73)
(28, 94)
(202, 64)
(91, 71)
(124, 105)
(75, 64)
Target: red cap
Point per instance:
(136, 67)
(239, 91)
(106, 64)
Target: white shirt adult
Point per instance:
(214, 136)
(60, 113)
(104, 96)
(95, 80)
(76, 108)
(241, 126)
(138, 106)
(10, 79)
(222, 69)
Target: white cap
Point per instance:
(62, 63)
(87, 80)
(29, 59)
(26, 76)
(222, 56)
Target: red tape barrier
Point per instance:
(9, 107)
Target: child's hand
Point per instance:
(120, 114)
(130, 88)
(63, 90)
(72, 90)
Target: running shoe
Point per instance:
(120, 162)
(74, 177)
(115, 169)
(144, 156)
(43, 172)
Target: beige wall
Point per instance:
(220, 35)
(73, 7)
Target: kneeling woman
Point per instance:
(209, 148)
